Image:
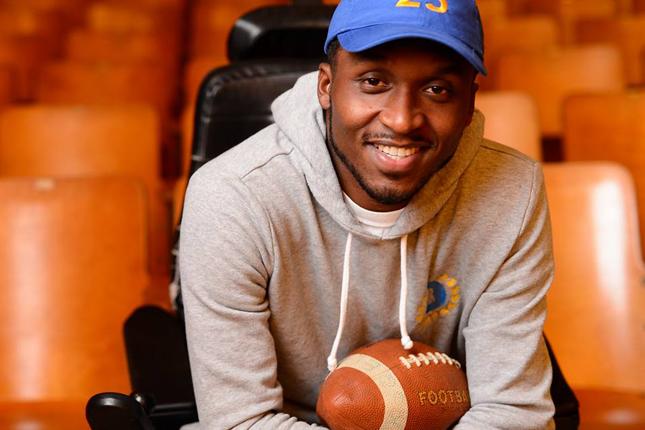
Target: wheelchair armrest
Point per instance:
(112, 411)
(171, 416)
(116, 411)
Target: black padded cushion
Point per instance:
(235, 102)
(289, 31)
(155, 343)
(110, 411)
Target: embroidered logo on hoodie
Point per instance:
(441, 297)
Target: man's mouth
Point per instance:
(397, 151)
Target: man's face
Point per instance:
(395, 115)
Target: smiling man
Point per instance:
(398, 113)
(373, 208)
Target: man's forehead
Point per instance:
(426, 50)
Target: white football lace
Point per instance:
(427, 358)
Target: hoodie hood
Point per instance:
(298, 114)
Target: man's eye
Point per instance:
(373, 82)
(437, 90)
(373, 85)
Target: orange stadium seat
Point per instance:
(7, 85)
(25, 54)
(71, 11)
(511, 119)
(517, 7)
(492, 10)
(516, 34)
(638, 6)
(626, 32)
(553, 75)
(576, 8)
(45, 4)
(133, 17)
(161, 22)
(609, 127)
(597, 301)
(108, 83)
(73, 141)
(83, 82)
(643, 65)
(72, 267)
(48, 26)
(104, 47)
(568, 12)
(152, 4)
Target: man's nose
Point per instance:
(402, 113)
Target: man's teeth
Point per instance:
(397, 151)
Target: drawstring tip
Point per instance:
(331, 364)
(407, 342)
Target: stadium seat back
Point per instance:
(609, 127)
(626, 32)
(551, 76)
(72, 266)
(107, 83)
(526, 34)
(597, 302)
(73, 141)
(96, 47)
(511, 119)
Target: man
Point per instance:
(372, 208)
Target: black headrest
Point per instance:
(296, 31)
(235, 102)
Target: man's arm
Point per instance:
(226, 261)
(509, 372)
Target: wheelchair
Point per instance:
(234, 103)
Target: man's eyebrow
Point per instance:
(449, 68)
(369, 55)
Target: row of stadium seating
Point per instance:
(99, 135)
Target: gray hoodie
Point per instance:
(262, 254)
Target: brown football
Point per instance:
(383, 386)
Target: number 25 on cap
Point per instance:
(441, 8)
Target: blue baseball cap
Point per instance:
(364, 24)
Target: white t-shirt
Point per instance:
(374, 222)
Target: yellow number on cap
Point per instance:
(408, 3)
(442, 8)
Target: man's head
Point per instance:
(398, 91)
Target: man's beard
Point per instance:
(382, 195)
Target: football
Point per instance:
(384, 386)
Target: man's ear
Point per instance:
(324, 85)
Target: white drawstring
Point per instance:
(344, 292)
(407, 343)
(405, 338)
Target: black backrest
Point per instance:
(287, 31)
(235, 102)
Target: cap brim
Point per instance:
(364, 38)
